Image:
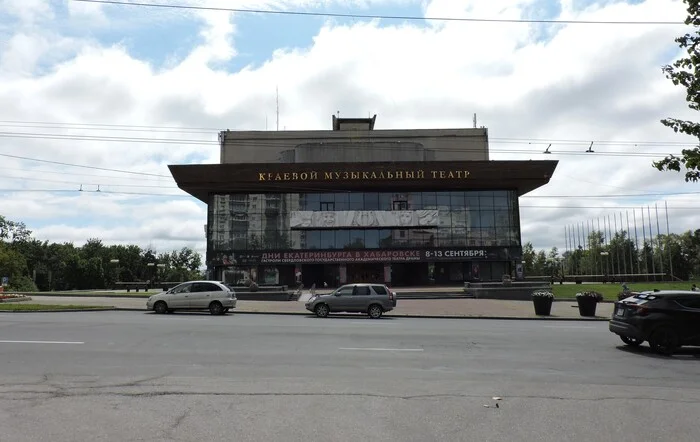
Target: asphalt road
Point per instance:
(128, 376)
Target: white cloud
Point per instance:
(588, 83)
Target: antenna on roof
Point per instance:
(474, 120)
(277, 93)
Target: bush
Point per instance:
(23, 284)
(590, 294)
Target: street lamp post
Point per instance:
(116, 261)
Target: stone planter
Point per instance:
(543, 305)
(586, 305)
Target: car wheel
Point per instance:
(225, 310)
(375, 311)
(664, 340)
(215, 308)
(322, 310)
(632, 342)
(161, 307)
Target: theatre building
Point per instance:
(355, 204)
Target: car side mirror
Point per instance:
(336, 294)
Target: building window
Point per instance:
(475, 218)
(400, 205)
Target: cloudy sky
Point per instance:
(134, 88)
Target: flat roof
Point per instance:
(199, 180)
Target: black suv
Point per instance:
(667, 319)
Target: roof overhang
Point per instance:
(201, 180)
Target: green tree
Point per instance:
(13, 231)
(685, 72)
(12, 265)
(529, 256)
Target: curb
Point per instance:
(498, 318)
(146, 295)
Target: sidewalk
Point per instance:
(442, 308)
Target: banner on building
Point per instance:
(252, 258)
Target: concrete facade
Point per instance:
(354, 140)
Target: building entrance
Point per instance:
(410, 274)
(366, 273)
(319, 274)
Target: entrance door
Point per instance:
(372, 273)
(410, 274)
(312, 274)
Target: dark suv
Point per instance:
(372, 299)
(667, 319)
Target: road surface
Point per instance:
(131, 376)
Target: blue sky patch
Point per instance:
(259, 35)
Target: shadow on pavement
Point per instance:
(187, 313)
(352, 316)
(683, 354)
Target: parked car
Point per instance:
(666, 319)
(214, 296)
(372, 299)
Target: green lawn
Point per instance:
(610, 291)
(23, 307)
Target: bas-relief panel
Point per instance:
(363, 218)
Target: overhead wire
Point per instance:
(60, 163)
(63, 172)
(374, 16)
(216, 131)
(103, 184)
(87, 191)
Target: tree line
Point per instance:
(31, 264)
(674, 254)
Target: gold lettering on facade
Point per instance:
(416, 174)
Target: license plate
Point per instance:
(620, 311)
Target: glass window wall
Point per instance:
(465, 218)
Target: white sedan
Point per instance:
(194, 295)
